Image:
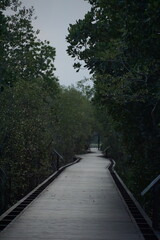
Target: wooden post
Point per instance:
(156, 209)
(98, 142)
(57, 163)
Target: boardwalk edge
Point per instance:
(7, 217)
(141, 218)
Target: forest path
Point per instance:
(81, 203)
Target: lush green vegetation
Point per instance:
(37, 115)
(119, 43)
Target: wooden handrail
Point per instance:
(151, 185)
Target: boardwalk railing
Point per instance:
(155, 187)
(56, 159)
(143, 221)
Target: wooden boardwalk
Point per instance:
(83, 203)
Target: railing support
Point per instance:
(3, 191)
(155, 186)
(56, 156)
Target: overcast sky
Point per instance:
(54, 17)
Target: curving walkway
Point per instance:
(83, 203)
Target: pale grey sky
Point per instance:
(54, 17)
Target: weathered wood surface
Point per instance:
(82, 203)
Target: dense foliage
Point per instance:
(37, 115)
(119, 43)
(75, 122)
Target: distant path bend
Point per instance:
(83, 203)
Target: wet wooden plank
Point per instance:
(82, 203)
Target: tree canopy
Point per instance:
(119, 43)
(24, 56)
(37, 115)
